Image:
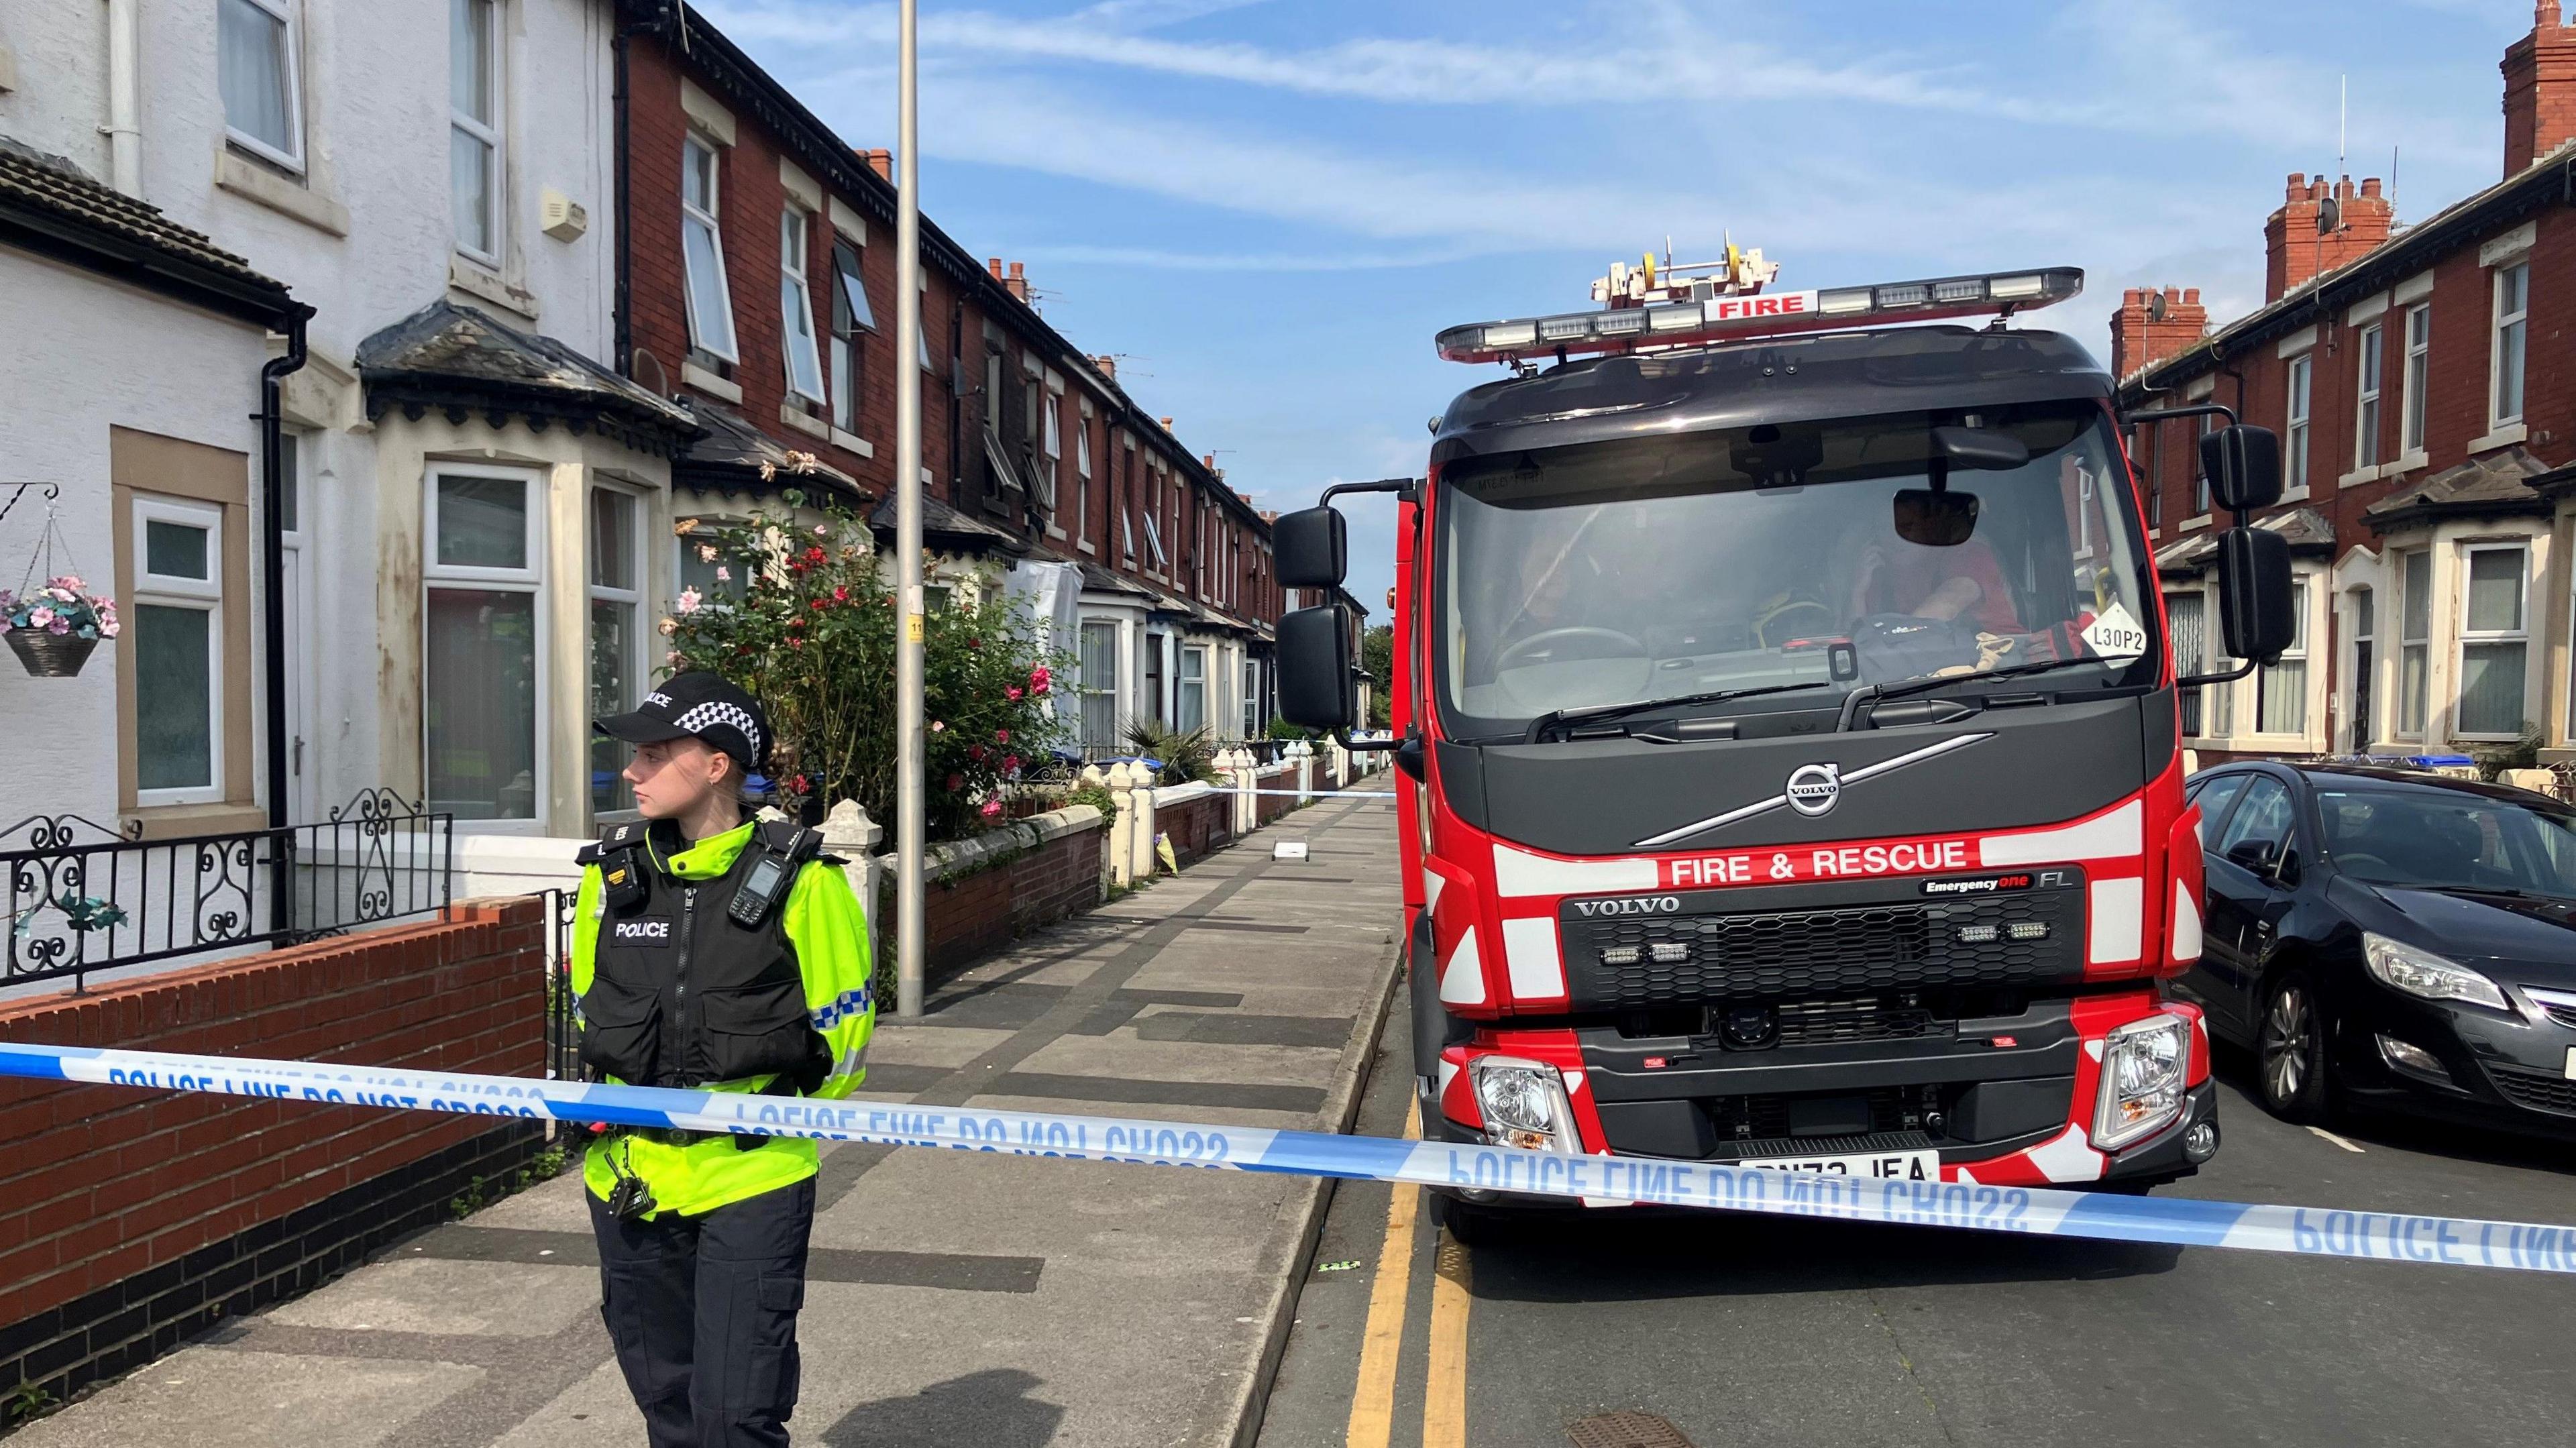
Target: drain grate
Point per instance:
(1625, 1430)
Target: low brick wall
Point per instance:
(1196, 825)
(131, 1220)
(986, 891)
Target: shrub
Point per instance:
(1187, 754)
(810, 630)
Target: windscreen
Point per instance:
(1825, 555)
(2425, 840)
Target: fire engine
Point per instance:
(1787, 748)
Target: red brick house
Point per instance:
(2421, 381)
(756, 286)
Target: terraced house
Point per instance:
(2422, 383)
(758, 284)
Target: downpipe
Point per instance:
(271, 418)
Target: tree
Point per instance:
(1377, 660)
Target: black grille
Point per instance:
(2563, 1015)
(1845, 951)
(1819, 1023)
(2534, 1089)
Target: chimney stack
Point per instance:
(2141, 338)
(1108, 366)
(994, 265)
(2295, 250)
(1018, 282)
(1167, 424)
(880, 161)
(2539, 89)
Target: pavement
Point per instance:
(1786, 1332)
(953, 1298)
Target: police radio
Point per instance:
(764, 884)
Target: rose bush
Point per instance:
(807, 623)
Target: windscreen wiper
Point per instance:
(1539, 727)
(1873, 694)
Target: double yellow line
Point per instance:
(1444, 1400)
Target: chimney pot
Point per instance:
(994, 265)
(1167, 424)
(881, 161)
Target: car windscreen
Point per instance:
(1828, 554)
(2438, 840)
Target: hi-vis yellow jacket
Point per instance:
(824, 922)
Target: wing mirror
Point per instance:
(1313, 547)
(1316, 688)
(2243, 465)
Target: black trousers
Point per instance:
(702, 1311)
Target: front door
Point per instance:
(2361, 664)
(303, 767)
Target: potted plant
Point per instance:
(53, 629)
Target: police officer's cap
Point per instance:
(697, 705)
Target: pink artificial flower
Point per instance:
(109, 629)
(41, 616)
(69, 580)
(60, 625)
(991, 808)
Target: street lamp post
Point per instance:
(910, 806)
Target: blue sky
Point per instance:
(1267, 207)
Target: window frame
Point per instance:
(289, 14)
(1182, 682)
(2200, 500)
(796, 307)
(2296, 652)
(846, 368)
(528, 579)
(1086, 688)
(2413, 700)
(709, 216)
(2370, 377)
(2519, 323)
(2467, 638)
(2192, 703)
(631, 597)
(492, 135)
(1082, 477)
(2298, 381)
(200, 595)
(2417, 380)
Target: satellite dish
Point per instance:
(2329, 216)
(647, 371)
(2156, 306)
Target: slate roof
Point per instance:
(458, 359)
(2498, 484)
(938, 520)
(2305, 529)
(47, 201)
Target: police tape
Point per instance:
(2036, 1211)
(1317, 794)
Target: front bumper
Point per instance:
(2509, 1072)
(2005, 1101)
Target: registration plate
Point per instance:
(1902, 1166)
(2571, 1063)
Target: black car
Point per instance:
(2381, 938)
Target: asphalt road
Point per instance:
(1758, 1331)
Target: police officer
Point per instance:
(710, 952)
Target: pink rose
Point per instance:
(1039, 679)
(1010, 764)
(1001, 736)
(1012, 694)
(991, 808)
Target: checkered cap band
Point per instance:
(702, 717)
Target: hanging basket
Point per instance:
(50, 655)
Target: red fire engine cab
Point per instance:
(1788, 757)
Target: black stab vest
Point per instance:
(680, 993)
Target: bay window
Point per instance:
(481, 665)
(2281, 695)
(2414, 641)
(710, 301)
(796, 309)
(175, 635)
(617, 665)
(2493, 642)
(474, 128)
(256, 70)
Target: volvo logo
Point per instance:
(1641, 905)
(1813, 788)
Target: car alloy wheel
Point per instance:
(2290, 1052)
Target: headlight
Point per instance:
(2422, 973)
(2143, 1065)
(1524, 1104)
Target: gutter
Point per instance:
(272, 547)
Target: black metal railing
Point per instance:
(82, 897)
(563, 1048)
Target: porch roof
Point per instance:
(462, 361)
(2497, 485)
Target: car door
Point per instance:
(2214, 793)
(2247, 894)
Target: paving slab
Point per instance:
(954, 1298)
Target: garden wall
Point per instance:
(1004, 883)
(1196, 818)
(131, 1220)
